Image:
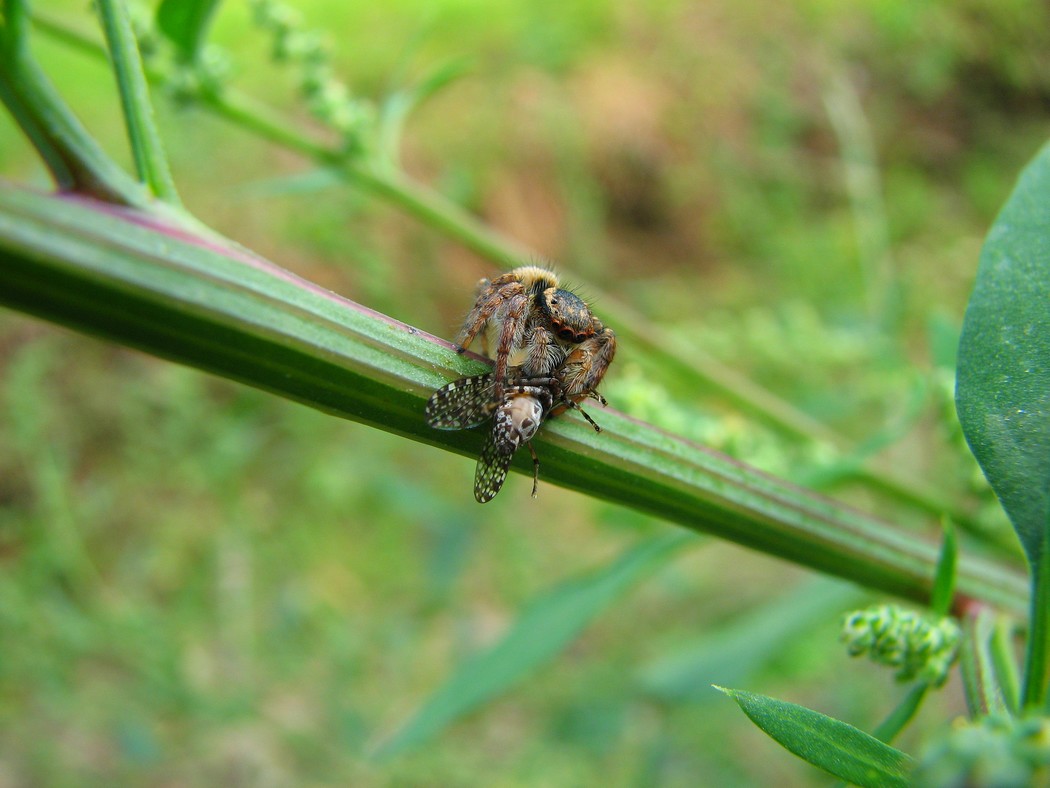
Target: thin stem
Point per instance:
(151, 163)
(249, 114)
(984, 695)
(944, 581)
(1037, 653)
(1005, 661)
(894, 723)
(75, 160)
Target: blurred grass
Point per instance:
(201, 584)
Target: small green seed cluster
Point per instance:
(903, 639)
(328, 98)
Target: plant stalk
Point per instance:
(128, 278)
(147, 150)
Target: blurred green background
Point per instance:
(202, 584)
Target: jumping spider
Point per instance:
(541, 328)
(516, 417)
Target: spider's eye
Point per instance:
(567, 334)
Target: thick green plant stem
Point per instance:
(456, 223)
(110, 273)
(151, 163)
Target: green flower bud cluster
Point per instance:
(991, 752)
(918, 647)
(328, 99)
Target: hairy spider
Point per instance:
(516, 417)
(541, 328)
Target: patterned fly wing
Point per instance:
(516, 417)
(491, 472)
(461, 404)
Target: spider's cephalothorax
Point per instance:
(516, 417)
(539, 326)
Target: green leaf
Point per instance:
(729, 655)
(540, 633)
(1003, 381)
(185, 24)
(827, 743)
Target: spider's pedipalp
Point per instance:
(586, 365)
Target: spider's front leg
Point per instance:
(486, 302)
(512, 318)
(504, 303)
(490, 299)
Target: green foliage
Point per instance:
(1004, 376)
(199, 581)
(834, 746)
(994, 752)
(1003, 388)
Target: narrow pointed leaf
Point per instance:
(1003, 382)
(541, 632)
(829, 744)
